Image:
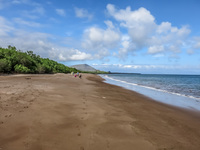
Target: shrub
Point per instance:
(5, 66)
(21, 69)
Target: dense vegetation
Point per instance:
(16, 61)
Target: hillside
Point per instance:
(84, 67)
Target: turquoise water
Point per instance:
(178, 90)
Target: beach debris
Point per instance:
(103, 97)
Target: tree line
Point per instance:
(16, 61)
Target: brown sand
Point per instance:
(61, 112)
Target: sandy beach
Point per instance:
(61, 112)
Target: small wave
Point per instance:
(152, 88)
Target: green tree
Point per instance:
(21, 69)
(13, 60)
(5, 65)
(12, 47)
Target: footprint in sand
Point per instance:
(79, 134)
(8, 115)
(81, 148)
(108, 144)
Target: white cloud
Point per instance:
(132, 67)
(21, 2)
(97, 39)
(144, 68)
(69, 54)
(80, 56)
(61, 12)
(140, 23)
(5, 27)
(165, 27)
(155, 49)
(194, 46)
(16, 2)
(131, 19)
(35, 11)
(126, 46)
(39, 43)
(37, 7)
(101, 54)
(197, 43)
(145, 33)
(109, 24)
(7, 3)
(38, 10)
(82, 13)
(27, 23)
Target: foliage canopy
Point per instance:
(16, 61)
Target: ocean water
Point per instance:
(177, 90)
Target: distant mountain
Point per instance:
(84, 67)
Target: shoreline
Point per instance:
(190, 111)
(159, 95)
(63, 112)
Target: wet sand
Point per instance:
(61, 112)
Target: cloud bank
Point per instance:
(41, 43)
(143, 32)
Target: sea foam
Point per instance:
(164, 96)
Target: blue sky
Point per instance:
(147, 36)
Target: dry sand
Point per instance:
(61, 112)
